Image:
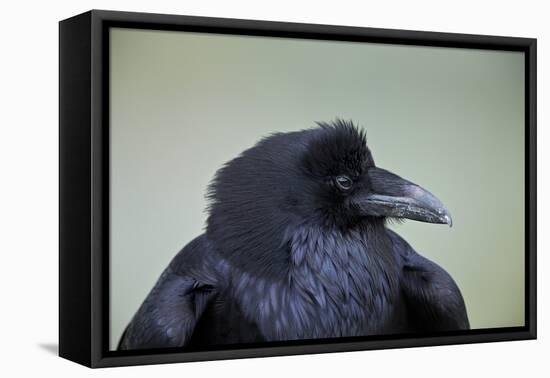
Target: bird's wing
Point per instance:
(432, 298)
(168, 316)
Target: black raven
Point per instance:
(296, 247)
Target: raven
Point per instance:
(296, 247)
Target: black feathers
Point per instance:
(337, 148)
(277, 185)
(296, 247)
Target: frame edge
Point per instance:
(74, 189)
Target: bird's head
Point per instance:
(323, 176)
(349, 188)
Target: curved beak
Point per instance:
(395, 197)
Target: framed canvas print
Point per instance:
(235, 188)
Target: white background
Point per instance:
(29, 187)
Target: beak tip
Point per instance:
(448, 220)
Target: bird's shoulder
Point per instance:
(168, 315)
(412, 262)
(433, 297)
(198, 261)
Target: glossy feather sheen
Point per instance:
(333, 288)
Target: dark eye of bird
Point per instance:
(343, 182)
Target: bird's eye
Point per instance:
(343, 182)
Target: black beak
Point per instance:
(392, 196)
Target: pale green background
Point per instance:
(451, 120)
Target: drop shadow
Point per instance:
(51, 348)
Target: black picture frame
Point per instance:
(84, 186)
